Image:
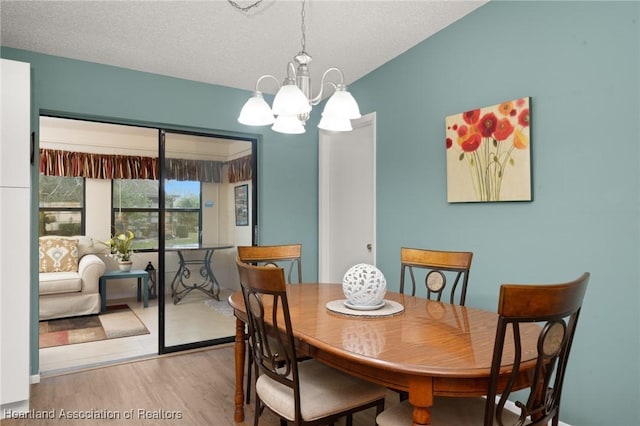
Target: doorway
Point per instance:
(163, 212)
(347, 205)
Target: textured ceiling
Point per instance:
(213, 42)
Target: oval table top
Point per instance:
(430, 348)
(428, 337)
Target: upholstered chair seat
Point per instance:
(323, 391)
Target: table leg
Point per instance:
(174, 282)
(215, 286)
(103, 294)
(145, 291)
(421, 397)
(239, 355)
(209, 285)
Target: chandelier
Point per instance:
(293, 101)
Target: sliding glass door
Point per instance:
(188, 198)
(207, 193)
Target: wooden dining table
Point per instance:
(429, 349)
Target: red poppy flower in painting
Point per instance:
(488, 124)
(523, 117)
(503, 129)
(471, 117)
(493, 150)
(470, 142)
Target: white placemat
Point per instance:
(390, 308)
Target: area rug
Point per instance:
(118, 321)
(222, 306)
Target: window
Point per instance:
(61, 205)
(136, 208)
(182, 212)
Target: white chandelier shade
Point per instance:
(342, 104)
(256, 112)
(289, 124)
(335, 124)
(290, 100)
(293, 101)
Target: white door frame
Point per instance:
(325, 194)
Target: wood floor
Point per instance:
(193, 389)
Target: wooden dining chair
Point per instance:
(437, 267)
(286, 256)
(557, 308)
(303, 393)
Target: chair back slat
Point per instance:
(286, 256)
(438, 267)
(556, 307)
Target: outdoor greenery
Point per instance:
(135, 208)
(61, 203)
(135, 204)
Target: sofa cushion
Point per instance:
(59, 282)
(58, 255)
(85, 244)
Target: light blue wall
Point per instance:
(287, 164)
(579, 62)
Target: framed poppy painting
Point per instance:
(488, 153)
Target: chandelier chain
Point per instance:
(303, 28)
(245, 8)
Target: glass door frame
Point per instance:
(161, 129)
(161, 273)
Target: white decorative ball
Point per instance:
(364, 285)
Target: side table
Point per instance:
(143, 284)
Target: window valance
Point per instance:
(240, 169)
(195, 170)
(55, 162)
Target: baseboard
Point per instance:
(511, 406)
(34, 378)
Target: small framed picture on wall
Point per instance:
(242, 205)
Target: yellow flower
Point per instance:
(505, 108)
(520, 140)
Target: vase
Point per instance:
(125, 265)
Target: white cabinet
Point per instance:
(14, 236)
(15, 146)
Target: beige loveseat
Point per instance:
(69, 276)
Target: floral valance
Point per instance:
(107, 166)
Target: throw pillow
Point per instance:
(58, 255)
